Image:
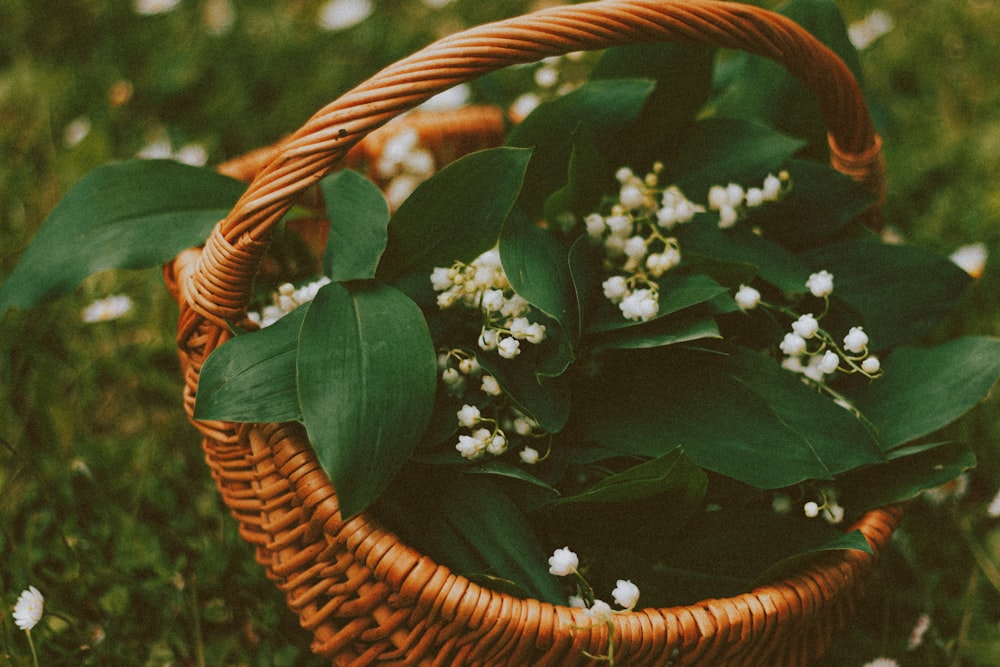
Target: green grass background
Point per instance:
(105, 504)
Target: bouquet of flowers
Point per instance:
(650, 348)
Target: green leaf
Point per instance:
(740, 415)
(457, 214)
(925, 389)
(662, 331)
(367, 374)
(358, 215)
(789, 565)
(672, 473)
(467, 523)
(586, 179)
(604, 108)
(902, 309)
(741, 246)
(678, 291)
(126, 215)
(546, 399)
(251, 378)
(536, 262)
(717, 151)
(904, 478)
(683, 76)
(820, 203)
(763, 90)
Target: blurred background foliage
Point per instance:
(105, 504)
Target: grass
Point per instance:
(105, 504)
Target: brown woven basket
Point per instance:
(367, 597)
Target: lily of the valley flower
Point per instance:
(563, 562)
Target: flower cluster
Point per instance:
(563, 563)
(808, 348)
(403, 165)
(483, 285)
(635, 233)
(285, 300)
(485, 435)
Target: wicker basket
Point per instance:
(367, 597)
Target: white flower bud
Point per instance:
(717, 197)
(469, 416)
(734, 194)
(772, 187)
(631, 196)
(488, 339)
(755, 197)
(529, 456)
(793, 344)
(811, 509)
(469, 447)
(828, 363)
(620, 225)
(519, 328)
(563, 562)
(635, 247)
(615, 288)
(871, 365)
(600, 612)
(727, 217)
(491, 386)
(468, 366)
(625, 594)
(747, 298)
(806, 326)
(508, 348)
(820, 284)
(497, 445)
(450, 376)
(833, 513)
(492, 300)
(577, 602)
(623, 174)
(535, 333)
(595, 225)
(856, 340)
(640, 305)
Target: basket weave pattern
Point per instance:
(366, 596)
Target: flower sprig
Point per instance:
(564, 563)
(634, 234)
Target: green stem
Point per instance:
(31, 644)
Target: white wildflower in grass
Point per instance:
(856, 340)
(625, 594)
(747, 298)
(336, 15)
(107, 309)
(151, 7)
(820, 284)
(920, 628)
(28, 609)
(881, 662)
(971, 259)
(563, 562)
(993, 511)
(864, 32)
(529, 456)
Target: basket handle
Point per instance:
(219, 286)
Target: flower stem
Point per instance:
(31, 644)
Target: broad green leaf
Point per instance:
(763, 90)
(467, 523)
(457, 214)
(672, 473)
(683, 76)
(925, 389)
(251, 378)
(677, 292)
(366, 376)
(536, 262)
(504, 469)
(663, 331)
(902, 308)
(546, 399)
(741, 246)
(739, 414)
(358, 215)
(586, 180)
(603, 108)
(717, 151)
(125, 215)
(584, 269)
(820, 202)
(904, 478)
(789, 565)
